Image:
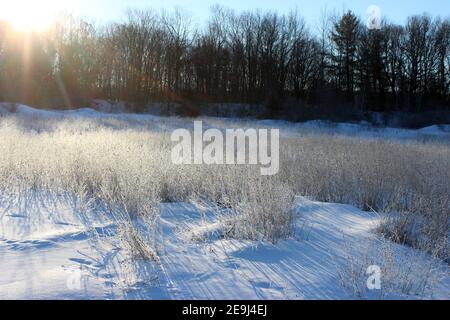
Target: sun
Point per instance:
(28, 15)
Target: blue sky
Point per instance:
(395, 10)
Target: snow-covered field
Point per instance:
(166, 123)
(53, 251)
(57, 242)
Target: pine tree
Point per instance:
(344, 37)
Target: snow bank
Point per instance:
(436, 129)
(7, 108)
(109, 106)
(59, 252)
(108, 110)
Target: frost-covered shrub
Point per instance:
(125, 161)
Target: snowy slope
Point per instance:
(47, 243)
(53, 249)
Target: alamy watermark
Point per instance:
(374, 280)
(374, 18)
(235, 146)
(76, 281)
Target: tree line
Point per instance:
(250, 57)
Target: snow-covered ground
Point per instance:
(363, 129)
(52, 249)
